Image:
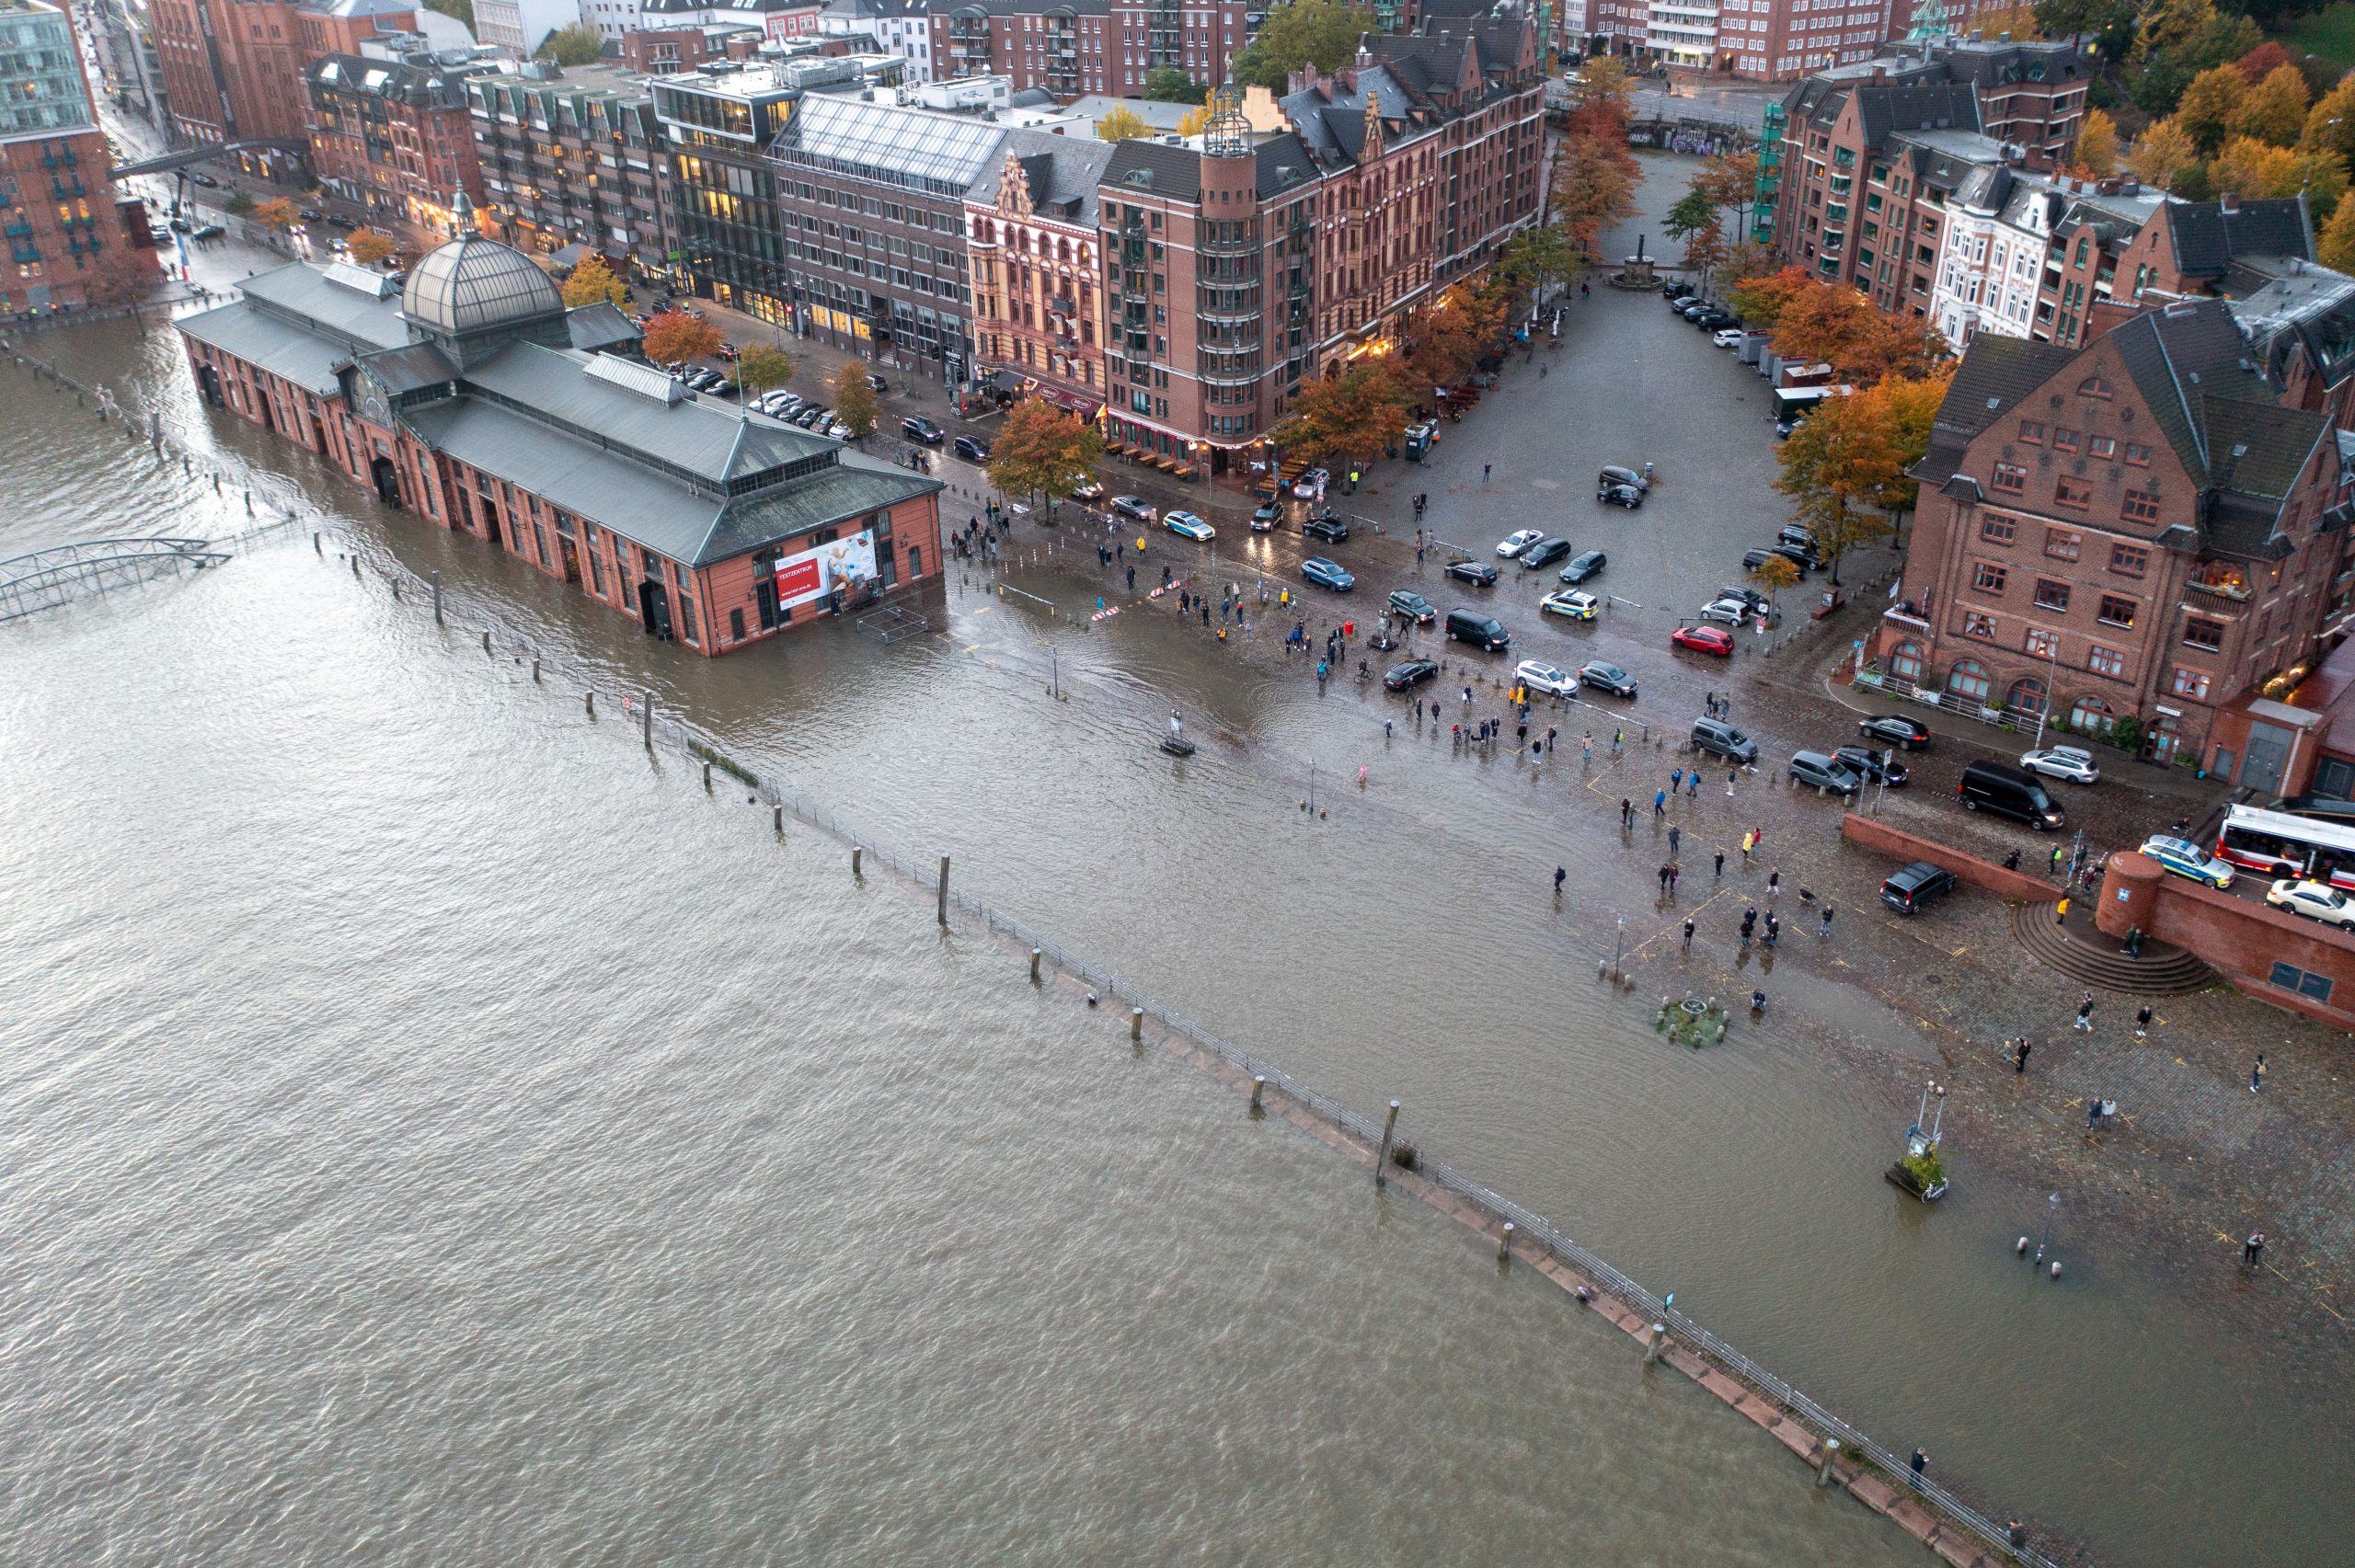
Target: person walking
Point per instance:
(1677, 781)
(1825, 929)
(1757, 837)
(1748, 840)
(1484, 471)
(1730, 773)
(1675, 837)
(2061, 912)
(2142, 1022)
(2019, 1056)
(2257, 1074)
(1748, 924)
(2054, 867)
(1560, 873)
(1688, 934)
(1663, 881)
(2085, 1017)
(1626, 812)
(1659, 804)
(1589, 750)
(2253, 1250)
(2093, 1113)
(1920, 1462)
(1692, 784)
(1774, 929)
(1721, 870)
(1618, 738)
(1774, 884)
(1674, 873)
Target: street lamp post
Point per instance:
(1618, 949)
(2051, 671)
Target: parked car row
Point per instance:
(1706, 315)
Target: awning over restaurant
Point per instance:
(1084, 407)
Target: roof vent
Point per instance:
(361, 279)
(631, 376)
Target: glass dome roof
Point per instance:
(473, 283)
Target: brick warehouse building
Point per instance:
(390, 131)
(234, 69)
(2144, 529)
(478, 400)
(1072, 47)
(71, 242)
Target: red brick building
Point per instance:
(1032, 250)
(71, 241)
(478, 400)
(665, 51)
(2144, 529)
(1089, 46)
(233, 70)
(391, 130)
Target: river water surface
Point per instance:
(428, 1125)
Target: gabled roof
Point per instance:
(1995, 374)
(1885, 107)
(1062, 173)
(1156, 168)
(1329, 117)
(1283, 162)
(2205, 238)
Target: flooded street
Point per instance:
(434, 1134)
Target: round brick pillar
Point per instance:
(2130, 894)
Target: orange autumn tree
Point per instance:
(368, 247)
(673, 337)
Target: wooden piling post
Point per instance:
(1035, 956)
(590, 698)
(437, 596)
(1504, 1244)
(648, 720)
(1658, 1337)
(854, 853)
(1136, 1025)
(1382, 1155)
(1258, 1088)
(1823, 1468)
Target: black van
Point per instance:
(1480, 631)
(1911, 891)
(2007, 791)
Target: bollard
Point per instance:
(437, 598)
(1504, 1244)
(485, 640)
(649, 698)
(590, 698)
(1659, 1338)
(355, 566)
(317, 548)
(778, 820)
(2022, 1248)
(1382, 1155)
(1824, 1469)
(854, 853)
(944, 890)
(707, 778)
(536, 672)
(2056, 1269)
(1259, 1088)
(1035, 956)
(249, 503)
(1136, 1025)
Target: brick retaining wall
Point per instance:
(1869, 833)
(2240, 938)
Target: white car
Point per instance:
(2072, 763)
(1573, 603)
(1309, 484)
(1187, 524)
(1732, 611)
(1728, 337)
(1518, 541)
(2318, 900)
(1546, 678)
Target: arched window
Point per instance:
(1905, 661)
(1969, 678)
(2027, 696)
(2093, 386)
(2093, 715)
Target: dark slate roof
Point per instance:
(1284, 163)
(407, 370)
(2180, 356)
(1930, 106)
(1330, 116)
(1995, 374)
(601, 327)
(1157, 168)
(856, 486)
(1063, 172)
(2206, 238)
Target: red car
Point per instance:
(1704, 639)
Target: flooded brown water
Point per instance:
(429, 1127)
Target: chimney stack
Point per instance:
(2229, 202)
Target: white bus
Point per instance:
(2274, 843)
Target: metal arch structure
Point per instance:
(167, 163)
(48, 578)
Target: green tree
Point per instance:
(1695, 220)
(1122, 125)
(1323, 33)
(1540, 259)
(1169, 84)
(1042, 449)
(592, 283)
(1593, 187)
(854, 399)
(761, 367)
(238, 204)
(575, 45)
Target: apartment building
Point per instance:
(1032, 249)
(391, 130)
(666, 51)
(235, 70)
(71, 241)
(901, 28)
(1869, 158)
(1090, 46)
(519, 26)
(2007, 234)
(2144, 528)
(569, 156)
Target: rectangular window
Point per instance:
(2140, 506)
(1998, 530)
(2010, 479)
(1977, 624)
(2138, 454)
(2041, 644)
(2061, 543)
(2105, 660)
(1989, 577)
(2192, 684)
(2032, 431)
(2064, 440)
(735, 626)
(2289, 977)
(2116, 611)
(2203, 634)
(2103, 447)
(2073, 493)
(2051, 595)
(2129, 560)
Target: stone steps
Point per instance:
(2088, 956)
